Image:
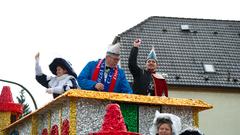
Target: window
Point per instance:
(209, 68)
(185, 28)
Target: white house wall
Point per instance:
(224, 118)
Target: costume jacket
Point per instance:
(86, 83)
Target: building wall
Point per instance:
(224, 117)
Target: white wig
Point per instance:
(176, 123)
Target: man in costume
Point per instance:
(146, 81)
(104, 74)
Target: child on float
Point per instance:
(64, 80)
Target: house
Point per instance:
(202, 60)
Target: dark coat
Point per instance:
(142, 78)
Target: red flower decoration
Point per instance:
(65, 127)
(113, 120)
(54, 130)
(44, 131)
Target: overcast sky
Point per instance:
(80, 31)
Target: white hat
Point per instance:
(114, 49)
(176, 123)
(152, 54)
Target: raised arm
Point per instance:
(38, 69)
(132, 61)
(40, 76)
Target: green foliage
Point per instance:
(22, 100)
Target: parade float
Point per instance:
(81, 112)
